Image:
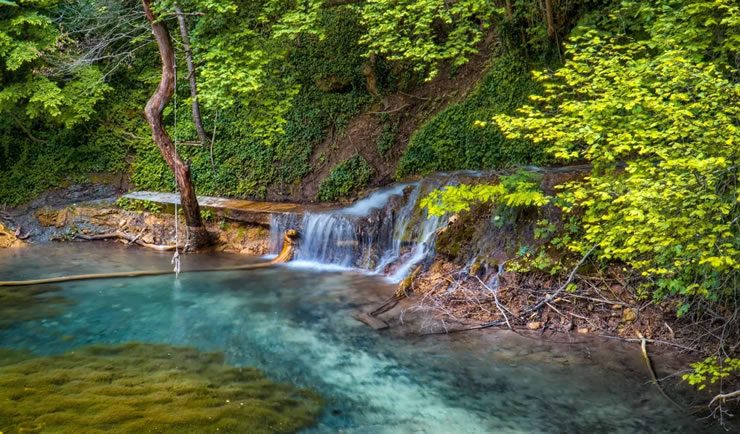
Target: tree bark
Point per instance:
(197, 234)
(551, 31)
(184, 33)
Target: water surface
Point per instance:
(296, 325)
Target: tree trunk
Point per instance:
(197, 234)
(197, 119)
(551, 32)
(509, 10)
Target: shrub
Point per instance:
(345, 178)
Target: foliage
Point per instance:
(426, 33)
(85, 128)
(30, 91)
(522, 189)
(711, 370)
(345, 178)
(659, 122)
(255, 148)
(452, 141)
(138, 205)
(387, 137)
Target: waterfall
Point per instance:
(384, 233)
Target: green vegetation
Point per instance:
(649, 96)
(521, 189)
(146, 388)
(463, 22)
(138, 205)
(453, 140)
(346, 178)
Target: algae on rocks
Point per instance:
(140, 387)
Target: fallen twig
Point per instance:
(643, 348)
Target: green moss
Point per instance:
(345, 178)
(147, 388)
(30, 302)
(452, 141)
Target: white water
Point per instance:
(384, 233)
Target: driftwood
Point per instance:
(291, 237)
(131, 239)
(369, 319)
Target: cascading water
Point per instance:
(385, 233)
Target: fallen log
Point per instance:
(132, 239)
(286, 254)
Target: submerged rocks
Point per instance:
(146, 388)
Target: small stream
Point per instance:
(296, 325)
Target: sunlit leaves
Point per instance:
(519, 190)
(426, 32)
(659, 122)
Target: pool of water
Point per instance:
(296, 326)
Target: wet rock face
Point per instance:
(8, 239)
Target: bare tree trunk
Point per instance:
(551, 32)
(197, 234)
(184, 33)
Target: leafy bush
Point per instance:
(659, 123)
(451, 140)
(522, 189)
(345, 178)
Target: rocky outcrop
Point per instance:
(88, 220)
(8, 238)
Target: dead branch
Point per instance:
(722, 397)
(498, 305)
(562, 287)
(643, 348)
(130, 239)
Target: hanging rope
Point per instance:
(176, 256)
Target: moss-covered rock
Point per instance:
(147, 388)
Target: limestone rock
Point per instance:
(50, 217)
(8, 239)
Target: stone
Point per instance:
(629, 315)
(48, 217)
(8, 238)
(534, 325)
(583, 330)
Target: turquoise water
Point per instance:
(296, 325)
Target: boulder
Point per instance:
(8, 238)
